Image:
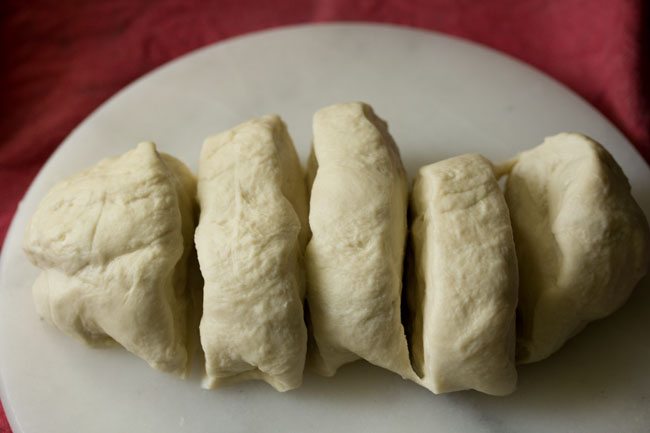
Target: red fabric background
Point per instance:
(60, 59)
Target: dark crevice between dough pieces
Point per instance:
(411, 306)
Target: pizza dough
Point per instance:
(354, 259)
(465, 291)
(250, 243)
(113, 242)
(582, 241)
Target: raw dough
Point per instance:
(582, 240)
(354, 259)
(465, 291)
(113, 242)
(250, 242)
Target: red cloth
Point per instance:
(63, 58)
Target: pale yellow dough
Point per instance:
(113, 242)
(354, 259)
(465, 289)
(250, 243)
(582, 240)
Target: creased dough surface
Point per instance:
(113, 242)
(250, 243)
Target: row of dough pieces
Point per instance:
(564, 246)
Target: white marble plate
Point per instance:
(441, 97)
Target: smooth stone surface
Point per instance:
(441, 97)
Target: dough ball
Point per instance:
(582, 241)
(464, 291)
(250, 242)
(354, 259)
(113, 243)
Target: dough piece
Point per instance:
(465, 292)
(582, 240)
(354, 259)
(113, 242)
(250, 242)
